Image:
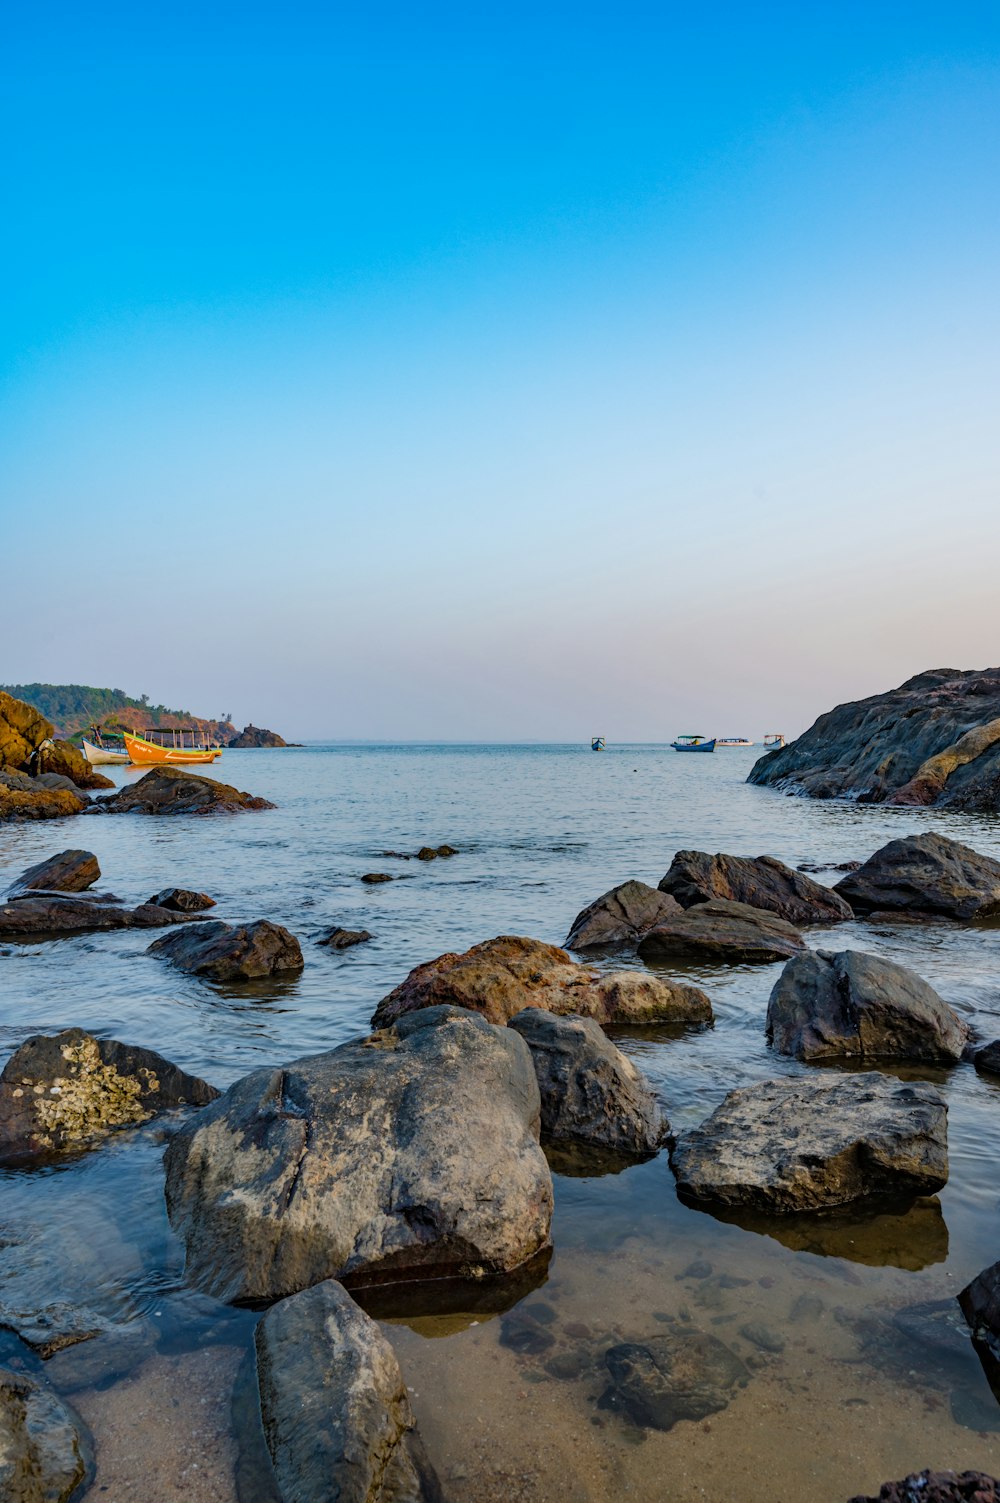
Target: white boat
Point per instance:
(732, 741)
(775, 739)
(103, 756)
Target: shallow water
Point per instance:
(868, 1384)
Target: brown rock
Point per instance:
(725, 933)
(23, 798)
(169, 790)
(70, 871)
(342, 939)
(224, 952)
(181, 900)
(759, 881)
(937, 1487)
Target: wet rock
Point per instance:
(798, 1145)
(591, 1093)
(762, 1337)
(182, 900)
(44, 914)
(410, 1154)
(45, 1450)
(937, 1487)
(70, 871)
(720, 932)
(374, 877)
(620, 917)
(926, 874)
(987, 1058)
(336, 1417)
(828, 866)
(342, 939)
(826, 1006)
(64, 1090)
(501, 977)
(23, 798)
(979, 1302)
(228, 952)
(168, 790)
(683, 1374)
(103, 1359)
(758, 881)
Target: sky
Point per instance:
(518, 372)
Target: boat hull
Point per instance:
(148, 754)
(99, 756)
(702, 746)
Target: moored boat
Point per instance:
(597, 743)
(693, 743)
(104, 756)
(774, 739)
(147, 753)
(733, 741)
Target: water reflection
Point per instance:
(913, 1237)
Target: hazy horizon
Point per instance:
(500, 376)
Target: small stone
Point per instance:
(372, 877)
(762, 1336)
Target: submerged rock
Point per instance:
(41, 914)
(169, 790)
(501, 977)
(620, 917)
(937, 1487)
(336, 1417)
(802, 1145)
(826, 1006)
(720, 932)
(759, 881)
(683, 1374)
(70, 871)
(373, 878)
(591, 1093)
(62, 1091)
(182, 900)
(343, 939)
(926, 874)
(46, 1453)
(410, 1154)
(228, 952)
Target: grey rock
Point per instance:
(70, 871)
(411, 1154)
(683, 1374)
(45, 1449)
(169, 790)
(800, 1145)
(336, 1417)
(226, 952)
(721, 932)
(827, 1006)
(980, 1304)
(182, 900)
(762, 1337)
(987, 1058)
(926, 874)
(620, 917)
(759, 881)
(39, 915)
(591, 1093)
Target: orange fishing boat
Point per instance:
(147, 753)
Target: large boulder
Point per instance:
(759, 881)
(805, 1145)
(63, 1090)
(170, 790)
(501, 977)
(253, 736)
(679, 1374)
(937, 1487)
(70, 871)
(591, 1094)
(26, 745)
(411, 1154)
(228, 952)
(46, 797)
(619, 917)
(41, 915)
(720, 932)
(828, 1006)
(925, 874)
(934, 740)
(46, 1454)
(336, 1417)
(980, 1304)
(65, 760)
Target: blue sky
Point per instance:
(506, 372)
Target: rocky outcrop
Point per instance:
(253, 736)
(411, 1154)
(501, 977)
(925, 874)
(336, 1417)
(723, 933)
(679, 1374)
(26, 745)
(591, 1093)
(62, 1091)
(62, 759)
(46, 1454)
(168, 790)
(934, 740)
(46, 797)
(182, 900)
(343, 939)
(228, 952)
(70, 871)
(620, 918)
(987, 1058)
(759, 881)
(38, 915)
(829, 1006)
(805, 1145)
(937, 1487)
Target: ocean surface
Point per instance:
(861, 1367)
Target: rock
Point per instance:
(70, 871)
(253, 736)
(937, 1487)
(169, 790)
(762, 1337)
(927, 874)
(336, 1417)
(411, 1154)
(342, 939)
(759, 881)
(987, 1058)
(590, 1092)
(50, 914)
(373, 877)
(427, 853)
(682, 1374)
(181, 900)
(827, 1006)
(980, 1304)
(501, 977)
(227, 952)
(804, 1144)
(65, 760)
(46, 1453)
(61, 1091)
(23, 798)
(720, 932)
(447, 850)
(26, 745)
(620, 917)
